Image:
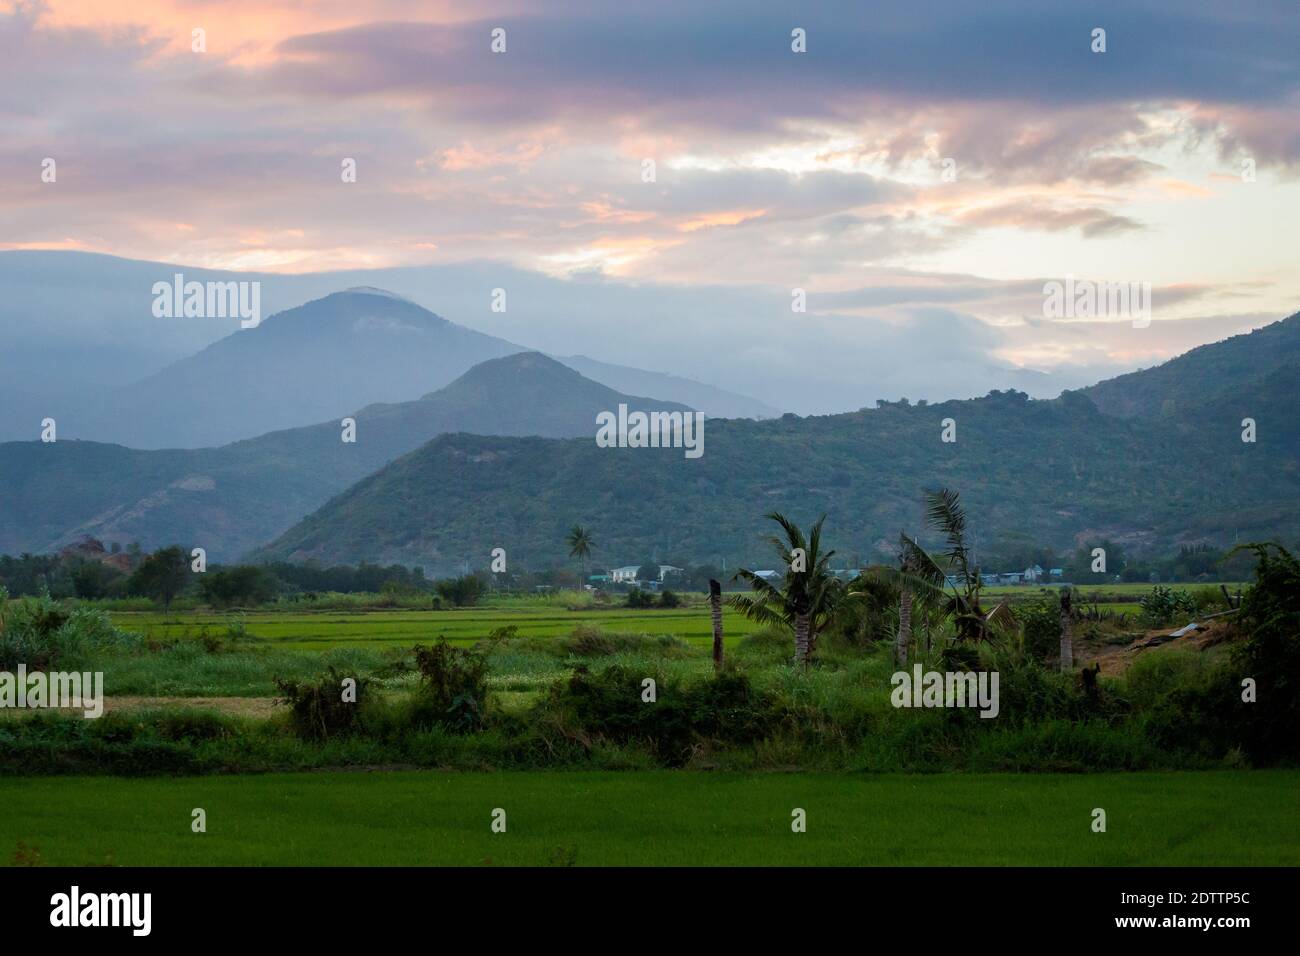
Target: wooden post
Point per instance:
(1067, 637)
(715, 602)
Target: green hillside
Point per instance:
(1169, 389)
(1058, 471)
(233, 498)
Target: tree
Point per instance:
(715, 611)
(244, 584)
(463, 591)
(808, 594)
(161, 576)
(1067, 635)
(92, 580)
(580, 544)
(928, 577)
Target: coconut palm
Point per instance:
(1067, 632)
(924, 577)
(808, 593)
(580, 543)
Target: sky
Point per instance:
(920, 170)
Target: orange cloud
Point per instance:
(732, 217)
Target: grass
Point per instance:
(657, 818)
(320, 630)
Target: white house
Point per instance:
(628, 573)
(1034, 573)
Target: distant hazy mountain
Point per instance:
(231, 498)
(714, 402)
(80, 343)
(1060, 472)
(317, 361)
(1193, 377)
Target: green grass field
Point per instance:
(535, 617)
(320, 630)
(658, 818)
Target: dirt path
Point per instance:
(256, 707)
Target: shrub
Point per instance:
(461, 592)
(608, 706)
(1163, 604)
(317, 709)
(453, 687)
(669, 599)
(636, 598)
(42, 633)
(1042, 623)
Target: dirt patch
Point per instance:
(258, 708)
(1115, 659)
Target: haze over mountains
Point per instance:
(1153, 458)
(232, 498)
(82, 346)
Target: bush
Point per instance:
(1163, 604)
(42, 633)
(453, 687)
(461, 592)
(636, 598)
(317, 709)
(608, 706)
(669, 599)
(1042, 623)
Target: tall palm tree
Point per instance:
(1067, 632)
(925, 577)
(806, 599)
(580, 543)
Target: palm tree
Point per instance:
(715, 607)
(806, 598)
(1067, 632)
(925, 578)
(580, 544)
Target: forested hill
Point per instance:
(1059, 471)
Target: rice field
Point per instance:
(652, 818)
(325, 630)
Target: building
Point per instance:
(1034, 573)
(625, 574)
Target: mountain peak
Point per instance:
(375, 291)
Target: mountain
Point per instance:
(1058, 471)
(231, 498)
(82, 345)
(1219, 368)
(317, 361)
(713, 402)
